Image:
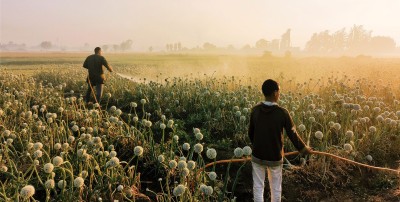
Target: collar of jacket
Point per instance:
(268, 103)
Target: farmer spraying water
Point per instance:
(267, 121)
(94, 63)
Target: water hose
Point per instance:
(312, 152)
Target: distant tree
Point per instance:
(285, 41)
(230, 47)
(116, 47)
(339, 40)
(167, 46)
(246, 47)
(262, 44)
(46, 45)
(209, 46)
(151, 49)
(105, 47)
(274, 46)
(179, 46)
(382, 44)
(358, 38)
(126, 45)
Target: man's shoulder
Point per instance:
(257, 106)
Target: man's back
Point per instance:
(266, 132)
(94, 63)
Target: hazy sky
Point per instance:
(191, 22)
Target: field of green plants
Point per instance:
(151, 138)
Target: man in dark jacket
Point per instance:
(94, 63)
(267, 122)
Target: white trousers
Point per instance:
(274, 178)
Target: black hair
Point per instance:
(97, 49)
(269, 87)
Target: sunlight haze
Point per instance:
(192, 23)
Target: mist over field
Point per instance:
(304, 28)
(165, 109)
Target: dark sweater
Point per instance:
(94, 63)
(266, 132)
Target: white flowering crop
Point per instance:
(212, 176)
(138, 151)
(211, 153)
(49, 184)
(238, 152)
(48, 167)
(247, 151)
(198, 148)
(199, 136)
(27, 191)
(160, 158)
(62, 184)
(179, 190)
(78, 182)
(172, 164)
(57, 161)
(348, 147)
(191, 165)
(186, 146)
(319, 135)
(182, 164)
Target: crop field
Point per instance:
(164, 117)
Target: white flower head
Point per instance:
(27, 191)
(38, 154)
(349, 134)
(319, 135)
(186, 146)
(372, 129)
(211, 153)
(113, 162)
(185, 172)
(48, 167)
(62, 184)
(57, 146)
(3, 168)
(198, 148)
(138, 150)
(182, 164)
(337, 126)
(196, 130)
(212, 176)
(133, 104)
(79, 182)
(199, 136)
(247, 151)
(57, 161)
(37, 146)
(162, 126)
(238, 152)
(172, 164)
(348, 147)
(302, 127)
(160, 158)
(179, 190)
(49, 184)
(113, 154)
(191, 165)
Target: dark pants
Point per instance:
(99, 92)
